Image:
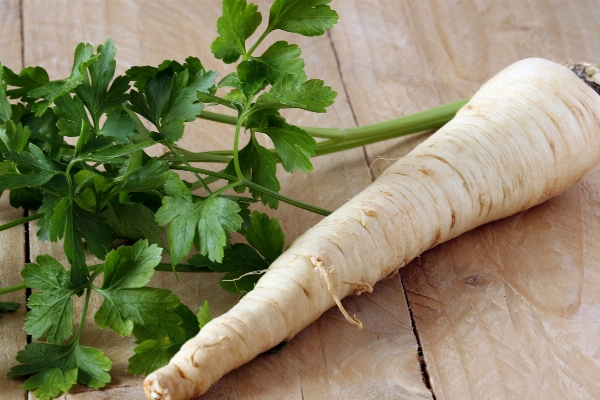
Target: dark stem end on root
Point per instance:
(588, 73)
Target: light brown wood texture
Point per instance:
(509, 310)
(12, 255)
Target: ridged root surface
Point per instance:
(527, 135)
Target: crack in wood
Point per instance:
(354, 117)
(424, 371)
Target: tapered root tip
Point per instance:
(588, 73)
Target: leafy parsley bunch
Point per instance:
(107, 187)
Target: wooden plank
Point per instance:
(381, 359)
(506, 311)
(12, 256)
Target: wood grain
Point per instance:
(144, 34)
(510, 310)
(12, 256)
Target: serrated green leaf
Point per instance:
(44, 128)
(149, 307)
(8, 306)
(291, 92)
(217, 217)
(306, 17)
(150, 102)
(265, 235)
(133, 221)
(26, 198)
(119, 126)
(150, 176)
(94, 229)
(49, 383)
(238, 22)
(5, 109)
(52, 90)
(183, 105)
(51, 309)
(14, 137)
(112, 152)
(72, 115)
(15, 181)
(28, 79)
(203, 316)
(294, 146)
(230, 80)
(94, 92)
(151, 354)
(208, 220)
(243, 266)
(34, 159)
(40, 358)
(259, 165)
(130, 267)
(280, 59)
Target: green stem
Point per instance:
(224, 188)
(21, 221)
(432, 118)
(163, 267)
(88, 293)
(236, 139)
(258, 188)
(13, 288)
(183, 160)
(259, 41)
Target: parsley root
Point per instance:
(526, 136)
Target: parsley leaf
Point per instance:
(8, 306)
(258, 165)
(72, 115)
(49, 383)
(279, 59)
(289, 92)
(52, 90)
(204, 222)
(33, 159)
(134, 221)
(203, 317)
(242, 262)
(94, 91)
(294, 146)
(51, 307)
(152, 354)
(306, 17)
(14, 137)
(28, 79)
(27, 198)
(170, 99)
(265, 235)
(5, 110)
(118, 126)
(127, 301)
(54, 368)
(238, 22)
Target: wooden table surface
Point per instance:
(510, 310)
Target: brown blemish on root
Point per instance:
(453, 220)
(180, 372)
(361, 287)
